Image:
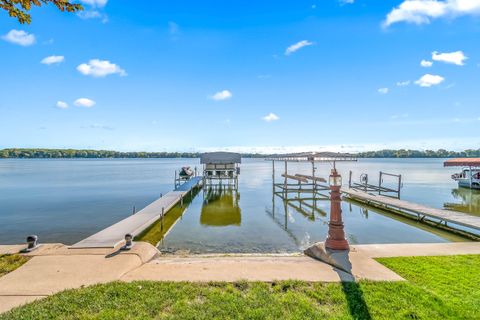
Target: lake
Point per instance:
(66, 200)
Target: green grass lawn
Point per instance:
(10, 262)
(437, 288)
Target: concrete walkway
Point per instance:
(55, 267)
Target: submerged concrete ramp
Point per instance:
(136, 223)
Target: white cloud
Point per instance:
(429, 80)
(423, 11)
(94, 12)
(403, 83)
(270, 117)
(457, 57)
(399, 116)
(20, 37)
(52, 60)
(61, 105)
(173, 28)
(95, 3)
(222, 95)
(342, 2)
(99, 126)
(84, 102)
(383, 90)
(264, 76)
(297, 46)
(100, 68)
(89, 14)
(426, 63)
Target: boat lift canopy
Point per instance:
(462, 162)
(314, 157)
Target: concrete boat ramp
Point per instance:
(136, 223)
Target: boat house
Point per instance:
(470, 175)
(221, 168)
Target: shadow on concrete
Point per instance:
(113, 254)
(340, 261)
(353, 292)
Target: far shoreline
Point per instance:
(44, 153)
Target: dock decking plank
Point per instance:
(456, 217)
(111, 236)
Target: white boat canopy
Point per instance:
(220, 158)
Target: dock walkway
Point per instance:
(136, 223)
(421, 211)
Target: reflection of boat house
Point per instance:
(220, 208)
(220, 169)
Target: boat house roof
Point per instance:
(220, 158)
(462, 162)
(314, 156)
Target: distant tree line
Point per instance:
(403, 153)
(73, 153)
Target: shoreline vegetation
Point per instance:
(25, 153)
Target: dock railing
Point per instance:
(379, 188)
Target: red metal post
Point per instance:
(336, 235)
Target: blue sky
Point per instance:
(267, 76)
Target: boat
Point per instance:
(186, 173)
(469, 177)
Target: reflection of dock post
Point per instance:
(161, 221)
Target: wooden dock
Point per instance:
(136, 223)
(419, 211)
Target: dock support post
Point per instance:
(471, 175)
(273, 176)
(134, 210)
(399, 184)
(181, 201)
(379, 181)
(314, 180)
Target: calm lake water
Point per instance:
(68, 200)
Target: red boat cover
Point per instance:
(462, 162)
